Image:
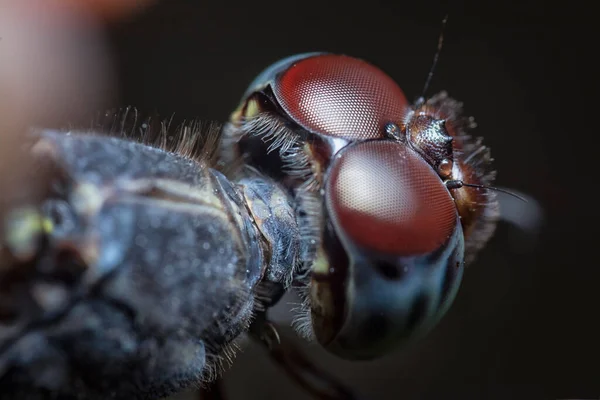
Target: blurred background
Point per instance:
(526, 321)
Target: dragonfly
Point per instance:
(147, 252)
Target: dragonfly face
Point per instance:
(387, 232)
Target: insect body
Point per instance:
(148, 268)
(152, 258)
(379, 187)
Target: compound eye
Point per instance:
(384, 197)
(340, 96)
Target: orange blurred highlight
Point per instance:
(55, 67)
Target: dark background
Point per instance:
(525, 323)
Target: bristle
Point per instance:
(191, 139)
(302, 322)
(271, 129)
(298, 165)
(309, 215)
(217, 364)
(219, 355)
(309, 211)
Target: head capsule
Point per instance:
(392, 238)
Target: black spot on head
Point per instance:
(417, 312)
(390, 270)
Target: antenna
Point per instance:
(435, 57)
(457, 184)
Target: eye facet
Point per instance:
(340, 96)
(387, 199)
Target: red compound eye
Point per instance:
(384, 197)
(340, 96)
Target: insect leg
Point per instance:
(301, 369)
